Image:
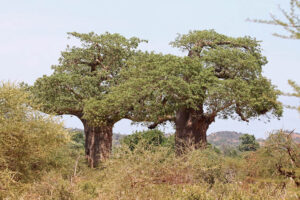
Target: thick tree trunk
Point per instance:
(98, 143)
(191, 128)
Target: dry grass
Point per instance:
(38, 162)
(158, 174)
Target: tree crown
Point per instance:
(220, 77)
(84, 72)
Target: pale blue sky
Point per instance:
(32, 34)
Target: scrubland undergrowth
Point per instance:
(39, 159)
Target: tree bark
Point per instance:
(191, 128)
(98, 143)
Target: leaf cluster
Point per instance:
(296, 92)
(107, 79)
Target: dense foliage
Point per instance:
(221, 77)
(248, 143)
(148, 139)
(31, 143)
(85, 74)
(278, 159)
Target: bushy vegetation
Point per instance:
(42, 160)
(277, 160)
(32, 144)
(248, 143)
(39, 159)
(157, 173)
(107, 79)
(148, 139)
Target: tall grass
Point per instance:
(38, 161)
(156, 173)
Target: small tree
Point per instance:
(85, 73)
(220, 77)
(248, 143)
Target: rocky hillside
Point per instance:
(296, 137)
(224, 138)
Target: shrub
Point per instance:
(77, 139)
(37, 161)
(31, 143)
(147, 138)
(248, 143)
(278, 160)
(159, 174)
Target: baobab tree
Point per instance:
(220, 77)
(83, 73)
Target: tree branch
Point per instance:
(69, 111)
(210, 44)
(215, 112)
(239, 112)
(161, 120)
(203, 44)
(73, 92)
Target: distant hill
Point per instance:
(296, 137)
(231, 138)
(219, 139)
(224, 138)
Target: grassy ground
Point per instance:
(40, 160)
(156, 173)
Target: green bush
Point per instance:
(148, 138)
(248, 143)
(77, 139)
(230, 151)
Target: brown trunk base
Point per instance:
(98, 144)
(190, 131)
